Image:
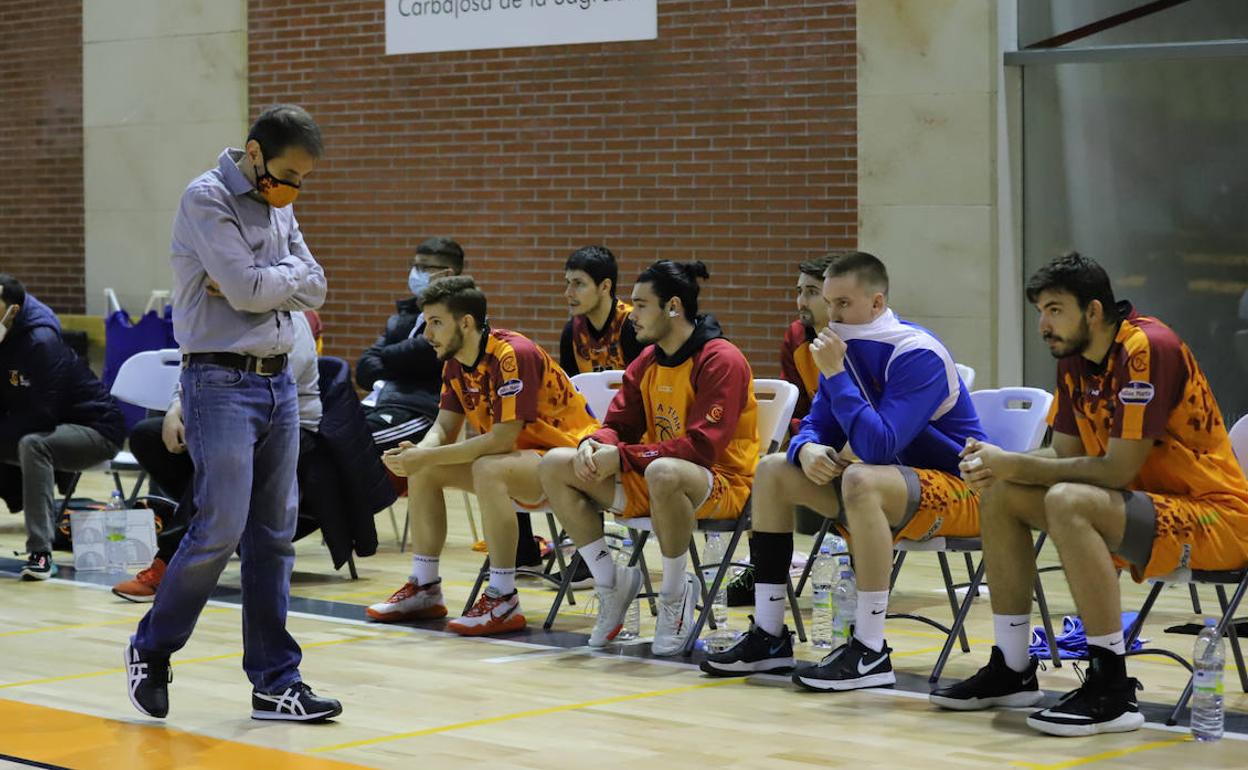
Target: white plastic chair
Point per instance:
(147, 379)
(1013, 418)
(599, 388)
(967, 374)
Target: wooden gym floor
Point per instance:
(534, 700)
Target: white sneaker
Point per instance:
(613, 605)
(671, 632)
(411, 602)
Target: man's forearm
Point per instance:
(1039, 470)
(464, 452)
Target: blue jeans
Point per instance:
(242, 432)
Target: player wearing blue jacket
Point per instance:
(878, 453)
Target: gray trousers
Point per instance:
(68, 448)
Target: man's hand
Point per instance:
(405, 459)
(583, 463)
(173, 431)
(7, 322)
(984, 464)
(828, 351)
(212, 288)
(606, 461)
(821, 463)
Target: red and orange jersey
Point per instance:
(1150, 387)
(697, 405)
(583, 348)
(797, 366)
(515, 379)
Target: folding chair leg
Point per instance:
(482, 574)
(407, 522)
(557, 556)
(134, 492)
(970, 568)
(1043, 605)
(798, 625)
(1133, 632)
(697, 571)
(953, 597)
(814, 552)
(563, 590)
(351, 567)
(1191, 587)
(899, 558)
(639, 558)
(1229, 612)
(959, 623)
(394, 524)
(707, 616)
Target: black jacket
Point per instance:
(344, 483)
(43, 382)
(406, 361)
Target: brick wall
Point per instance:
(41, 221)
(729, 139)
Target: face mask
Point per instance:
(278, 193)
(417, 281)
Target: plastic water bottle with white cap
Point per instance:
(716, 551)
(822, 578)
(631, 628)
(115, 533)
(1208, 666)
(844, 603)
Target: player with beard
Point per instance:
(520, 404)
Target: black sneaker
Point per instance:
(39, 566)
(296, 703)
(147, 679)
(582, 578)
(1104, 703)
(741, 588)
(757, 652)
(996, 684)
(851, 666)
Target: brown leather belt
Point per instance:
(265, 367)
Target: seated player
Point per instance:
(600, 334)
(520, 403)
(678, 444)
(889, 392)
(1140, 475)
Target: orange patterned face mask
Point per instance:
(278, 193)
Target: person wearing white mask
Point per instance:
(879, 454)
(401, 371)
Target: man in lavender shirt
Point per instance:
(240, 268)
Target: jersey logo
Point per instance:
(716, 414)
(510, 388)
(1136, 392)
(508, 364)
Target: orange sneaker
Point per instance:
(492, 614)
(142, 588)
(411, 602)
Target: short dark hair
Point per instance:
(676, 279)
(283, 126)
(867, 268)
(1075, 274)
(444, 247)
(597, 262)
(460, 295)
(11, 290)
(816, 267)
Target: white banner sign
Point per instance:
(425, 26)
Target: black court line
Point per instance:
(32, 763)
(1157, 713)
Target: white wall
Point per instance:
(164, 90)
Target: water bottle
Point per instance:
(716, 551)
(115, 533)
(836, 543)
(1208, 662)
(822, 577)
(632, 619)
(844, 603)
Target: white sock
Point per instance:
(424, 569)
(869, 618)
(769, 607)
(503, 581)
(673, 584)
(597, 557)
(1112, 642)
(1013, 635)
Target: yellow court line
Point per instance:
(188, 661)
(525, 714)
(1104, 755)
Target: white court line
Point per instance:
(554, 651)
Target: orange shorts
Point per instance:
(1168, 532)
(725, 500)
(939, 505)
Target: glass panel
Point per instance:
(1142, 166)
(1192, 21)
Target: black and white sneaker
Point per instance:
(996, 684)
(851, 666)
(147, 680)
(296, 703)
(39, 566)
(1104, 703)
(758, 652)
(582, 578)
